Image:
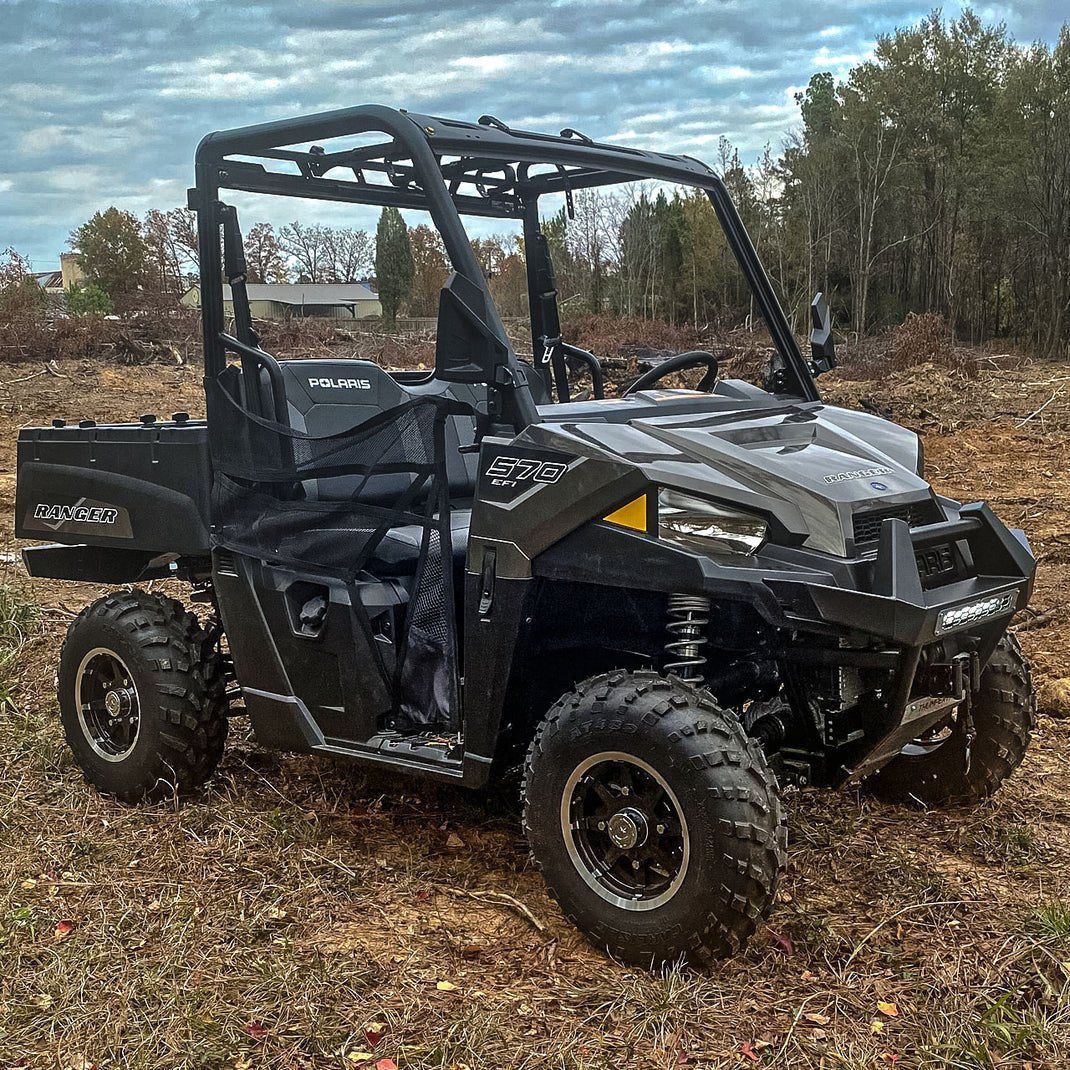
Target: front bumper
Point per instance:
(872, 611)
(886, 597)
(794, 589)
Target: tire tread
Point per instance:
(716, 741)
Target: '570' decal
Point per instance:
(507, 471)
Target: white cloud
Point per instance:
(723, 75)
(487, 64)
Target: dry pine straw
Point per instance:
(302, 914)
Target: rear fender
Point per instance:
(95, 564)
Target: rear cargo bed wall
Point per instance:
(126, 485)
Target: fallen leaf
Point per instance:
(446, 986)
(454, 842)
(373, 1033)
(888, 1009)
(876, 1026)
(360, 1056)
(817, 1019)
(889, 1058)
(29, 884)
(783, 942)
(257, 1030)
(64, 929)
(746, 1049)
(44, 1001)
(386, 1064)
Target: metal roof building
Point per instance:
(279, 300)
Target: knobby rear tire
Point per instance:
(178, 673)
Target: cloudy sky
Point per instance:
(103, 101)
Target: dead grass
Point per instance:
(300, 914)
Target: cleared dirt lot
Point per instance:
(302, 914)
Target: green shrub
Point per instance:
(88, 299)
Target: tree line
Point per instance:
(123, 253)
(933, 177)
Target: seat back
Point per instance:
(327, 396)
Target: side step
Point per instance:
(285, 723)
(435, 755)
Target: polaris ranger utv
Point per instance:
(663, 605)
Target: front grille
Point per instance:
(867, 526)
(937, 564)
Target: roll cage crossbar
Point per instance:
(449, 168)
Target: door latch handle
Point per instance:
(486, 582)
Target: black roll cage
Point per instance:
(428, 164)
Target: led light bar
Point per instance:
(972, 612)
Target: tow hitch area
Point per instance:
(941, 690)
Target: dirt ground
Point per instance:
(300, 914)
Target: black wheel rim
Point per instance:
(109, 710)
(625, 831)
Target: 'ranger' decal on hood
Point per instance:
(859, 473)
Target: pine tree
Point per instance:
(393, 262)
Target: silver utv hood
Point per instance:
(811, 466)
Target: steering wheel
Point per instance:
(696, 358)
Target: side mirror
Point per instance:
(822, 347)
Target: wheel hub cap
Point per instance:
(625, 831)
(628, 828)
(119, 702)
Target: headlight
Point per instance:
(707, 528)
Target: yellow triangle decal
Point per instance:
(632, 515)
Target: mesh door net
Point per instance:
(325, 504)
